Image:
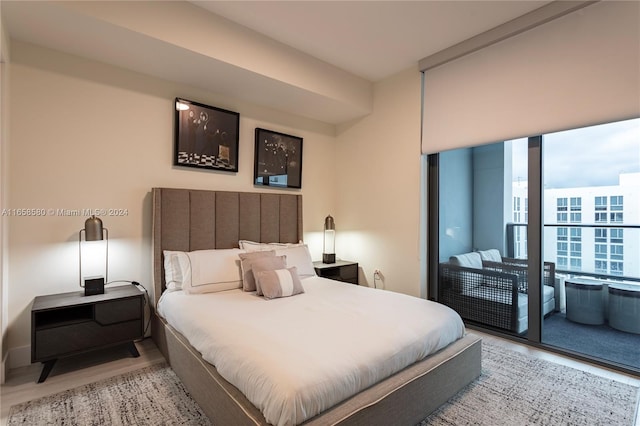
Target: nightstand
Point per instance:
(71, 323)
(342, 270)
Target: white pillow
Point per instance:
(203, 271)
(298, 256)
(254, 246)
(176, 265)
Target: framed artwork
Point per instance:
(278, 160)
(206, 137)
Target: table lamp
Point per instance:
(94, 231)
(329, 245)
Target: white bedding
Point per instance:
(297, 356)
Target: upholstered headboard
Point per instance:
(187, 220)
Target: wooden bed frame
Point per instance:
(188, 220)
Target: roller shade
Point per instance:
(577, 70)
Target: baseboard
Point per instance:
(19, 357)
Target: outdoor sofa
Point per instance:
(485, 288)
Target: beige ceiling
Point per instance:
(372, 39)
(315, 59)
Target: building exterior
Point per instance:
(587, 229)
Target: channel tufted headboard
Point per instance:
(188, 220)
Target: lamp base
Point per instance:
(328, 258)
(93, 286)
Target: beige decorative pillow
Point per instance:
(279, 283)
(246, 264)
(269, 263)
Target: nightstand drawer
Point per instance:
(347, 273)
(344, 271)
(66, 324)
(66, 340)
(117, 311)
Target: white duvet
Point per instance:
(295, 357)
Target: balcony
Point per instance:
(597, 341)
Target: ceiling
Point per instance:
(371, 39)
(348, 44)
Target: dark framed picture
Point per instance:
(206, 137)
(278, 160)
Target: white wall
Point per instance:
(89, 135)
(4, 125)
(378, 186)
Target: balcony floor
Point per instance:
(600, 341)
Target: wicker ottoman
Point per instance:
(624, 307)
(584, 298)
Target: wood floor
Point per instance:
(69, 373)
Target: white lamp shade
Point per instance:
(329, 244)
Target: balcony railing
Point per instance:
(511, 246)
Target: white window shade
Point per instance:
(577, 70)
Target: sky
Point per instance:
(590, 156)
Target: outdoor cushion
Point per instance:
(492, 255)
(467, 260)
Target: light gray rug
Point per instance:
(518, 389)
(514, 389)
(149, 396)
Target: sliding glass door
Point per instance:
(592, 233)
(539, 238)
(483, 213)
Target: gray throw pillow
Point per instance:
(246, 264)
(266, 264)
(279, 283)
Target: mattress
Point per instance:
(297, 356)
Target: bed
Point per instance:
(188, 220)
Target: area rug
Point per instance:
(514, 389)
(150, 396)
(518, 389)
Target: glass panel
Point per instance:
(592, 174)
(483, 206)
(591, 238)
